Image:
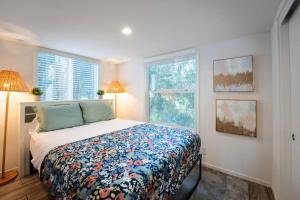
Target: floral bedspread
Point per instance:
(146, 161)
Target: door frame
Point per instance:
(282, 102)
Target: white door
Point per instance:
(294, 37)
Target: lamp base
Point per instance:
(8, 177)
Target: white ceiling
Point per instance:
(93, 27)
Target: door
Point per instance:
(294, 37)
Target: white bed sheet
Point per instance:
(42, 143)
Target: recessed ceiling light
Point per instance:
(126, 31)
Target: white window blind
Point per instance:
(172, 91)
(66, 78)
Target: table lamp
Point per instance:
(115, 87)
(10, 81)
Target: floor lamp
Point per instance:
(10, 81)
(115, 87)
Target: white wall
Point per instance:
(22, 58)
(131, 105)
(107, 74)
(244, 156)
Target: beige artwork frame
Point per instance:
(233, 74)
(236, 117)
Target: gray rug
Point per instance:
(216, 185)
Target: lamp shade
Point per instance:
(115, 87)
(11, 81)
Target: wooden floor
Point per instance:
(26, 188)
(213, 186)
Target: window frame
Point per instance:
(159, 58)
(63, 54)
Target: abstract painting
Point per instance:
(236, 117)
(233, 75)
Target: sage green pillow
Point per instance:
(94, 111)
(54, 117)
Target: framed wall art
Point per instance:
(236, 117)
(233, 74)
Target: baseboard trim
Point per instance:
(237, 174)
(15, 168)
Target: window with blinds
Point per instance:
(66, 78)
(172, 90)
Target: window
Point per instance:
(66, 78)
(172, 91)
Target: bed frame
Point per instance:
(185, 192)
(27, 115)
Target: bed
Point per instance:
(113, 159)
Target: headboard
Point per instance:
(27, 114)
